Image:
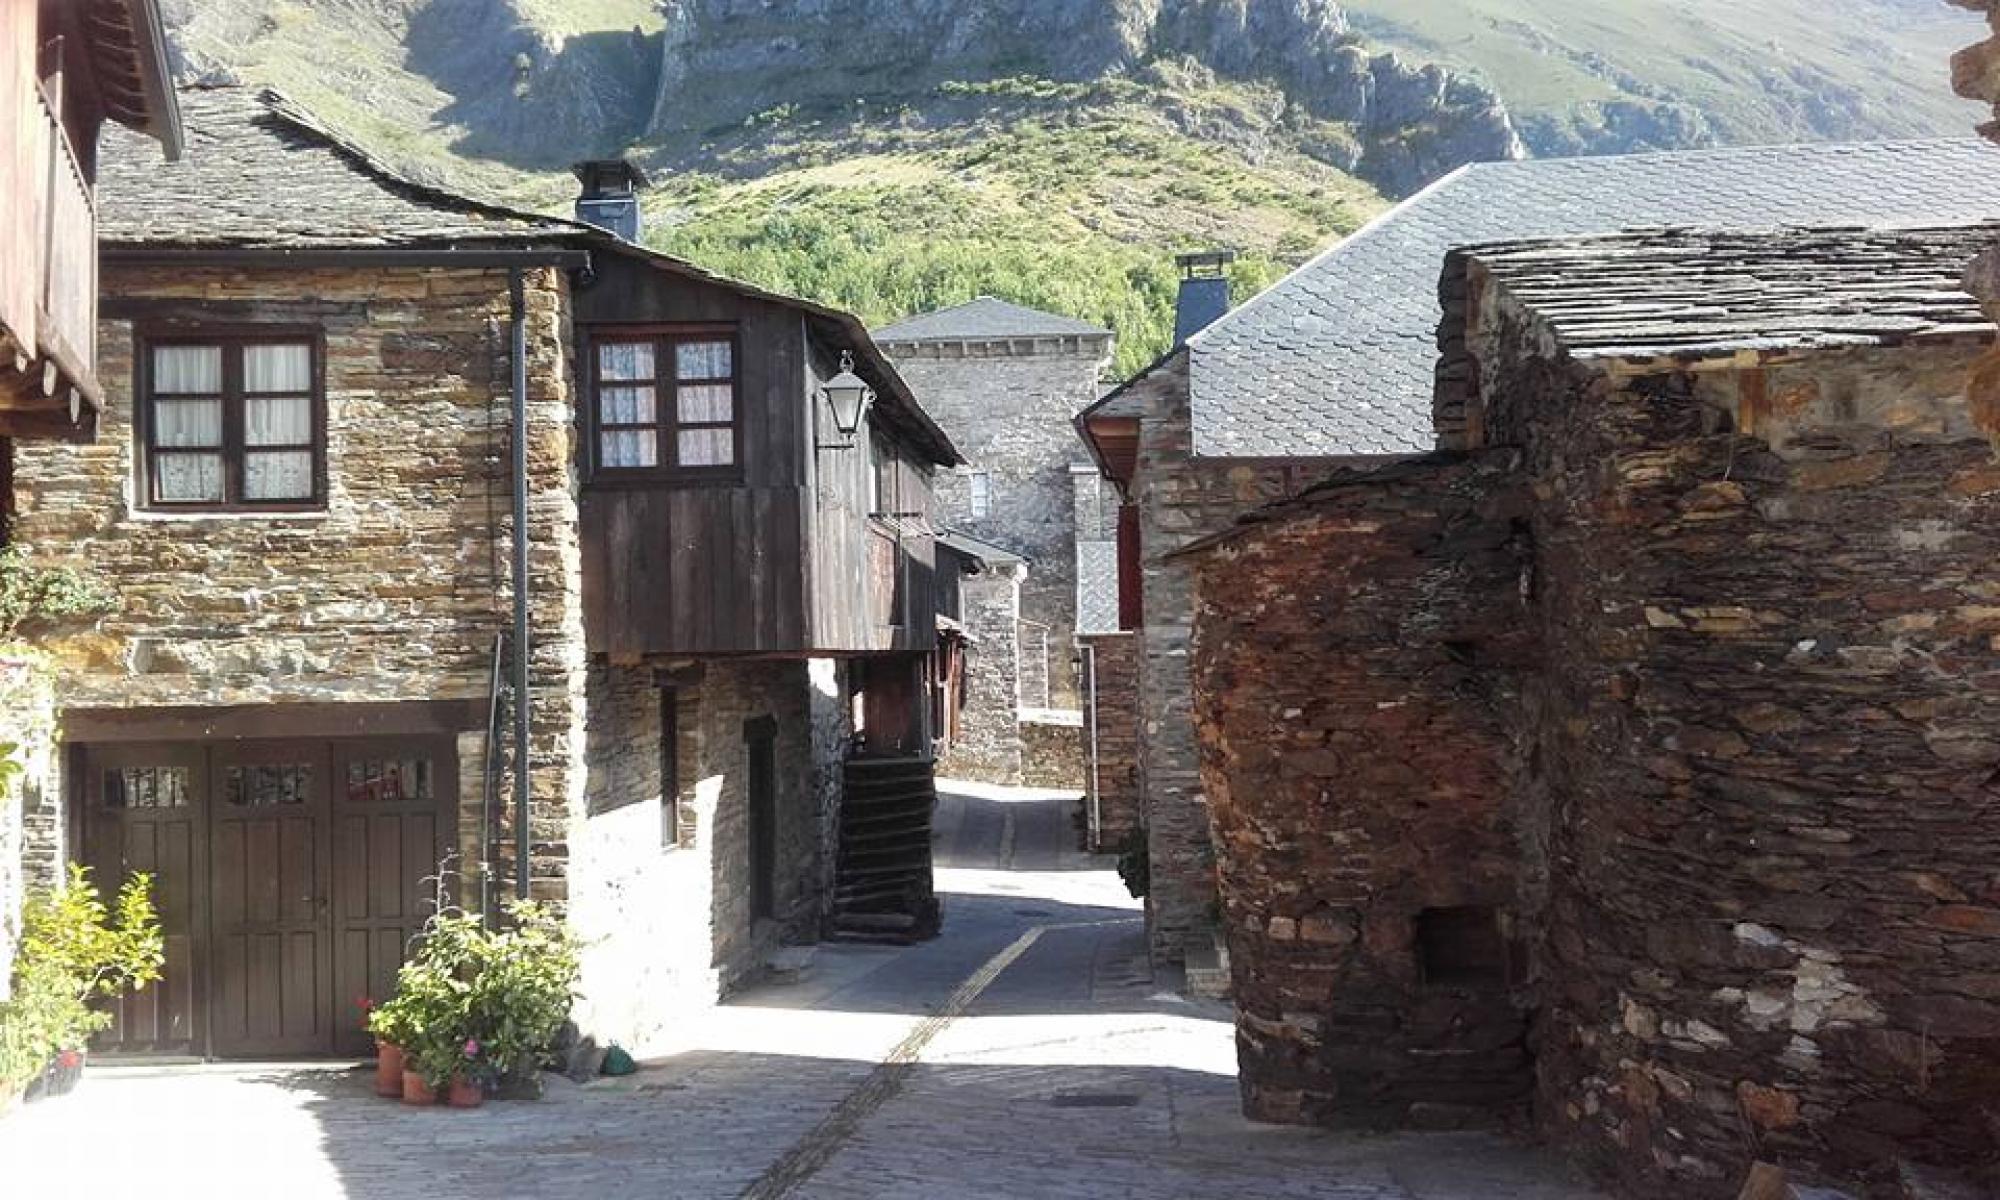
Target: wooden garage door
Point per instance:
(291, 877)
(141, 810)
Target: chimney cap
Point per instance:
(1204, 262)
(598, 175)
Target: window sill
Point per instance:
(170, 516)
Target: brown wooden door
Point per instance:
(142, 811)
(391, 805)
(270, 952)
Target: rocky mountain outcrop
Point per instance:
(723, 61)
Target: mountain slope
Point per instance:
(1594, 76)
(899, 155)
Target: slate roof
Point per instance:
(977, 549)
(1336, 359)
(261, 172)
(1680, 295)
(984, 319)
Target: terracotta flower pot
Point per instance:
(416, 1090)
(465, 1093)
(388, 1069)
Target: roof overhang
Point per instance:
(129, 62)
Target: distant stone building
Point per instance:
(1335, 365)
(1631, 759)
(1006, 381)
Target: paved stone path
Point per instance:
(1025, 1055)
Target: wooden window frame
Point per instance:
(667, 425)
(232, 341)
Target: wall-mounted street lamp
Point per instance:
(848, 397)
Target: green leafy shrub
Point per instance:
(34, 593)
(74, 949)
(480, 1003)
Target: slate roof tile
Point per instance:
(985, 318)
(1337, 358)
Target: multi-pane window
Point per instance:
(232, 423)
(982, 494)
(666, 401)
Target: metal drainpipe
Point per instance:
(1095, 814)
(523, 834)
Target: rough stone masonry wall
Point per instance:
(988, 747)
(1007, 406)
(668, 908)
(1769, 746)
(1356, 671)
(395, 591)
(1112, 720)
(1180, 499)
(30, 813)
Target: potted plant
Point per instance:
(74, 950)
(471, 1077)
(524, 987)
(383, 1022)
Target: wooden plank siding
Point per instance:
(773, 558)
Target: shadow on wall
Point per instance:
(527, 100)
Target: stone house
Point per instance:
(1334, 366)
(451, 534)
(1005, 382)
(65, 70)
(1629, 761)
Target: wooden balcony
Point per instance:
(48, 279)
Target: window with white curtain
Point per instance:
(665, 400)
(232, 422)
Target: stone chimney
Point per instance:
(1204, 294)
(609, 199)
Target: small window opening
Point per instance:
(1461, 947)
(982, 495)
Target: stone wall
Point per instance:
(1357, 665)
(1052, 746)
(988, 747)
(1007, 406)
(1112, 723)
(1695, 702)
(1180, 499)
(31, 846)
(668, 906)
(1771, 786)
(396, 590)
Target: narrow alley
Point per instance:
(1026, 1053)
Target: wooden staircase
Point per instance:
(882, 882)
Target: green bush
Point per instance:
(479, 1003)
(74, 949)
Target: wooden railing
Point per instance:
(69, 278)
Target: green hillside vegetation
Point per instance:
(1066, 197)
(1842, 69)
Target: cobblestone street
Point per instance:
(1025, 1054)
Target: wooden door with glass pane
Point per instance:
(142, 810)
(270, 956)
(392, 807)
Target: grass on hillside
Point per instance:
(1760, 71)
(1071, 198)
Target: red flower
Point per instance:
(364, 1003)
(68, 1059)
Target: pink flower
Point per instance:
(472, 1047)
